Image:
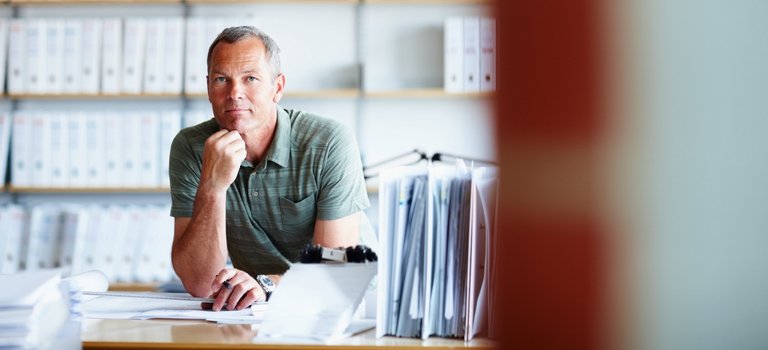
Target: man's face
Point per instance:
(240, 86)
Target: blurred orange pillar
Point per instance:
(549, 113)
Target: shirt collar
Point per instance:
(280, 150)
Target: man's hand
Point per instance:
(223, 154)
(236, 289)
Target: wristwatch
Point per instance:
(266, 284)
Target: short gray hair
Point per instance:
(234, 34)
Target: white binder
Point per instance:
(72, 60)
(131, 149)
(154, 71)
(44, 230)
(127, 242)
(113, 150)
(195, 56)
(59, 150)
(40, 149)
(17, 53)
(111, 56)
(471, 54)
(5, 142)
(134, 46)
(95, 146)
(487, 54)
(77, 138)
(149, 173)
(54, 56)
(4, 29)
(453, 45)
(35, 61)
(170, 124)
(21, 159)
(174, 55)
(13, 220)
(74, 229)
(91, 55)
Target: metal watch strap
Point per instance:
(267, 293)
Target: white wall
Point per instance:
(695, 82)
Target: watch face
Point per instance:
(266, 282)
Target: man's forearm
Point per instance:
(201, 252)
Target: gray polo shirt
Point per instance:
(312, 170)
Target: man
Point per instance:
(257, 182)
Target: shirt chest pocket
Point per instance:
(298, 217)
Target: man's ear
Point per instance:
(279, 88)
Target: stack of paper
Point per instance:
(32, 309)
(436, 224)
(149, 305)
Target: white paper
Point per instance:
(148, 305)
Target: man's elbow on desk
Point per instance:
(196, 283)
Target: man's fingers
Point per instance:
(249, 298)
(243, 294)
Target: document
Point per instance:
(149, 305)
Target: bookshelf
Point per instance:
(375, 66)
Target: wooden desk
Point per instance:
(181, 334)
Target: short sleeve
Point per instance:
(341, 184)
(184, 173)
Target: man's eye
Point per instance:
(252, 79)
(220, 79)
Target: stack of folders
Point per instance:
(436, 226)
(128, 243)
(33, 309)
(110, 55)
(81, 149)
(470, 54)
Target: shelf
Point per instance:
(425, 93)
(133, 287)
(90, 96)
(444, 2)
(270, 1)
(87, 190)
(90, 2)
(329, 93)
(326, 93)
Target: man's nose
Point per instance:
(236, 90)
